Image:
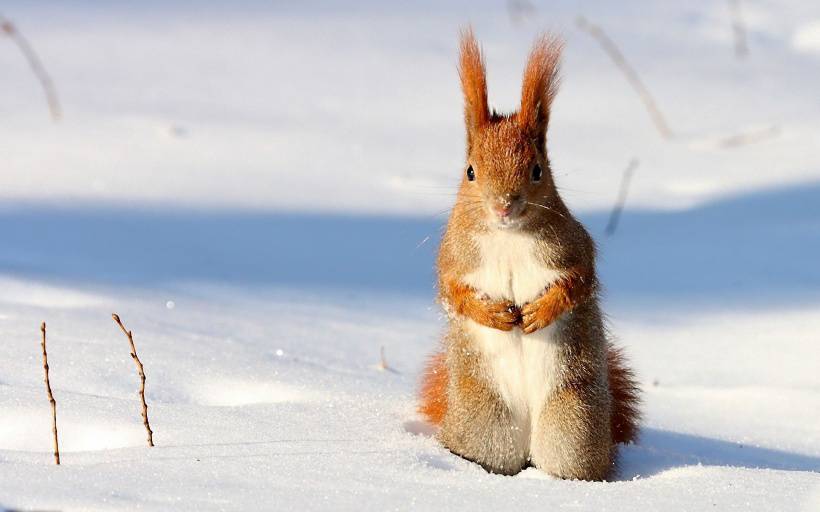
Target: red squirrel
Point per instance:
(527, 374)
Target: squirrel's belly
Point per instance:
(524, 368)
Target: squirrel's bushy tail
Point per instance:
(622, 385)
(625, 397)
(433, 399)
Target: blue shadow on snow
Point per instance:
(760, 246)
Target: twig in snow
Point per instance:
(36, 65)
(383, 366)
(738, 29)
(50, 397)
(620, 202)
(611, 49)
(382, 361)
(141, 371)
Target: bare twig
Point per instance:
(742, 138)
(738, 29)
(520, 10)
(382, 361)
(749, 137)
(611, 49)
(141, 372)
(50, 397)
(620, 202)
(383, 366)
(8, 28)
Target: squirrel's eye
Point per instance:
(536, 173)
(470, 173)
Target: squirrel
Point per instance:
(526, 374)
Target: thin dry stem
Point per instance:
(141, 371)
(50, 397)
(738, 29)
(620, 202)
(614, 53)
(36, 65)
(383, 366)
(382, 360)
(520, 10)
(749, 137)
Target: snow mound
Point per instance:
(31, 432)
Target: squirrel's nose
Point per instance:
(505, 207)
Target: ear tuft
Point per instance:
(473, 76)
(540, 84)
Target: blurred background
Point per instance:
(259, 189)
(199, 139)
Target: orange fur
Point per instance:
(625, 398)
(473, 82)
(557, 300)
(544, 310)
(540, 84)
(434, 389)
(498, 314)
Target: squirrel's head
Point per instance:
(507, 178)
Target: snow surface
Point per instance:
(257, 190)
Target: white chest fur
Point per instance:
(523, 367)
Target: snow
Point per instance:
(257, 190)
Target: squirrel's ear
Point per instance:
(540, 85)
(473, 83)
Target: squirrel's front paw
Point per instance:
(500, 314)
(542, 311)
